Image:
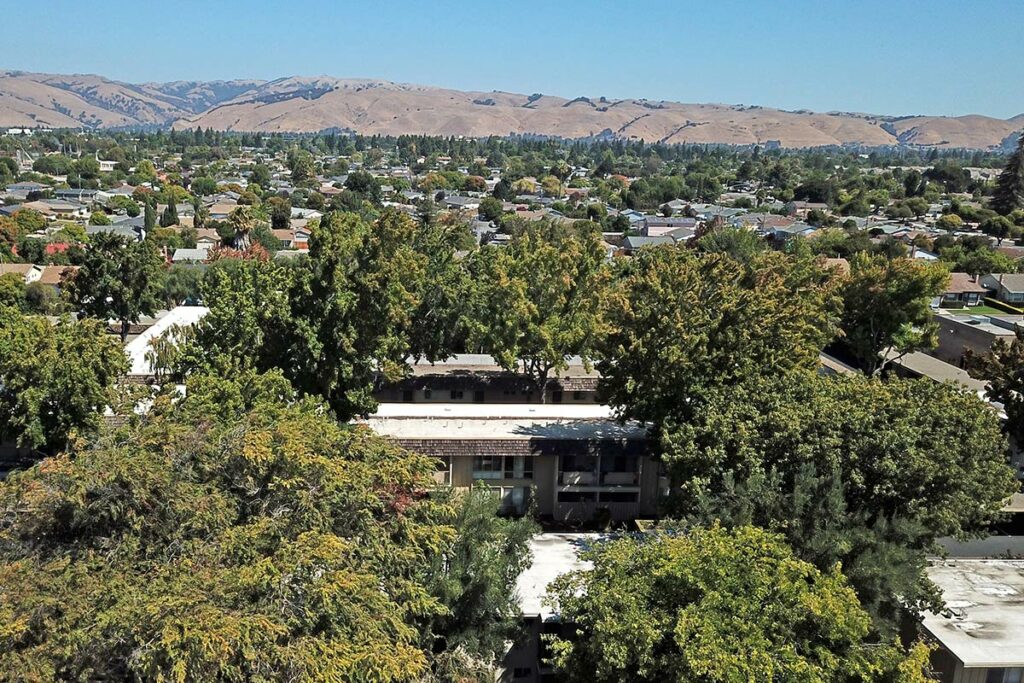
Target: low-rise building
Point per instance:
(958, 334)
(565, 462)
(980, 636)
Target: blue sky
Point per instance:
(896, 57)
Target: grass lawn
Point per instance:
(975, 310)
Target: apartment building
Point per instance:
(567, 459)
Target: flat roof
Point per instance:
(500, 421)
(985, 601)
(931, 367)
(1015, 504)
(137, 347)
(553, 556)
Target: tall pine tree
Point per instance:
(149, 217)
(170, 215)
(1009, 192)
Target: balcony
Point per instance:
(577, 479)
(620, 479)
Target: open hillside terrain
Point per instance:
(313, 104)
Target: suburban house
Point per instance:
(1007, 287)
(656, 226)
(58, 208)
(964, 289)
(980, 638)
(634, 243)
(72, 194)
(186, 255)
(783, 233)
(460, 202)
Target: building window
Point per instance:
(407, 396)
(456, 394)
(1000, 675)
(518, 467)
(487, 467)
(577, 395)
(427, 393)
(478, 396)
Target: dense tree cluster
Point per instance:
(239, 534)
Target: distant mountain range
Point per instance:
(324, 103)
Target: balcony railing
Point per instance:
(571, 478)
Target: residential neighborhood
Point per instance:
(321, 379)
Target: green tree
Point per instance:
(29, 220)
(491, 209)
(538, 299)
(476, 578)
(681, 324)
(260, 175)
(186, 547)
(200, 214)
(242, 220)
(352, 314)
(55, 379)
(126, 204)
(118, 280)
(438, 325)
(99, 218)
(169, 216)
(999, 227)
(42, 299)
(949, 221)
(146, 171)
(12, 291)
(852, 469)
(713, 605)
(1003, 367)
(1009, 191)
(280, 213)
(203, 186)
(149, 219)
(740, 244)
(249, 313)
(180, 284)
(886, 307)
(300, 163)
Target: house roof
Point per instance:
(1011, 282)
(53, 275)
(137, 348)
(963, 283)
(22, 269)
(196, 254)
(985, 626)
(637, 241)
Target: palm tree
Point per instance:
(243, 220)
